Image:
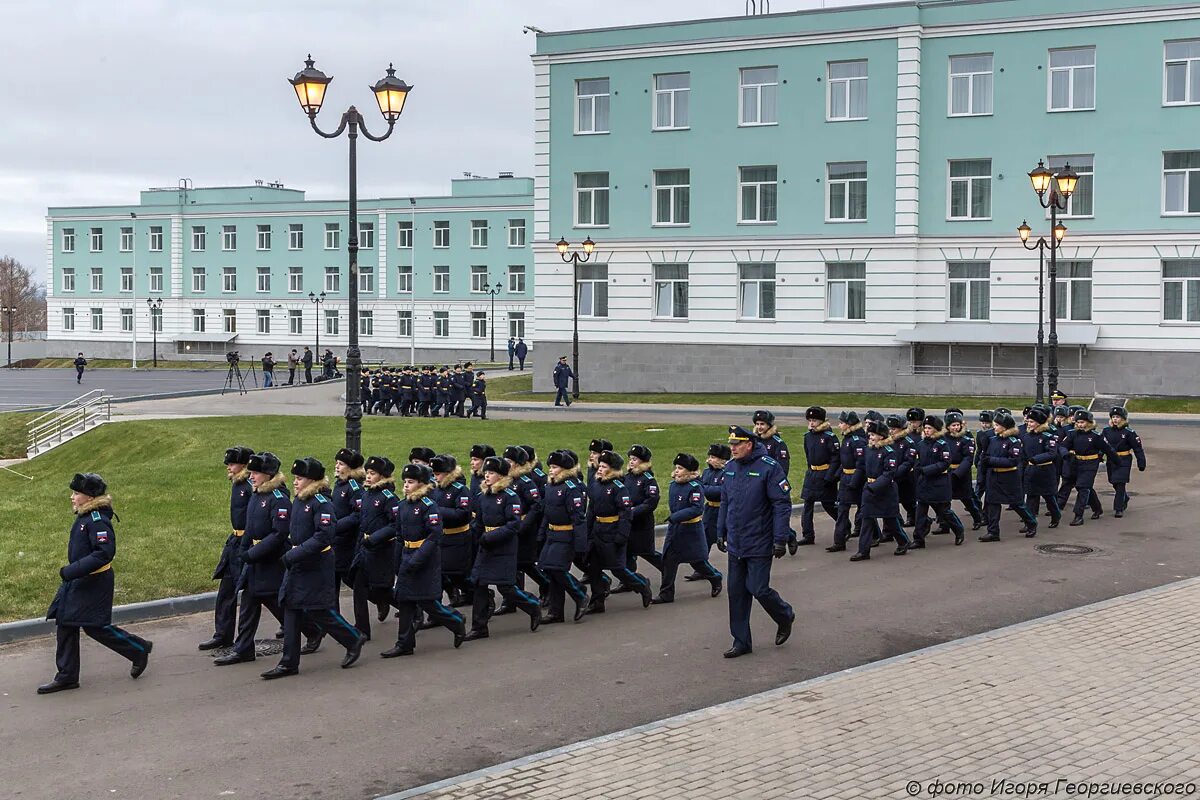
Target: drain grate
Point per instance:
(1066, 549)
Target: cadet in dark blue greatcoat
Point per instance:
(1128, 447)
(711, 479)
(685, 543)
(1003, 461)
(824, 458)
(962, 459)
(982, 437)
(609, 508)
(932, 468)
(346, 496)
(644, 495)
(850, 480)
(877, 468)
(564, 531)
(1040, 474)
(373, 571)
(520, 470)
(768, 433)
(85, 596)
(229, 566)
(1086, 447)
(454, 501)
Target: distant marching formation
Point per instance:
(446, 535)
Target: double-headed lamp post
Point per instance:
(8, 311)
(1053, 189)
(575, 259)
(317, 300)
(390, 94)
(493, 291)
(155, 304)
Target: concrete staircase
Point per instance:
(69, 420)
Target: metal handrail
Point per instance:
(103, 399)
(69, 417)
(76, 401)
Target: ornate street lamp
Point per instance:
(493, 292)
(575, 259)
(8, 311)
(317, 300)
(155, 304)
(1053, 190)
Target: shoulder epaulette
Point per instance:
(321, 498)
(426, 501)
(694, 483)
(888, 447)
(526, 479)
(459, 484)
(96, 516)
(353, 484)
(388, 494)
(777, 437)
(769, 460)
(510, 491)
(570, 484)
(618, 484)
(278, 493)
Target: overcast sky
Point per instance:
(102, 98)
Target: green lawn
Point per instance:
(1164, 405)
(13, 433)
(172, 496)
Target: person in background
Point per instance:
(308, 362)
(268, 368)
(562, 381)
(512, 351)
(81, 362)
(292, 367)
(521, 351)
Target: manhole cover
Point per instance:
(1066, 549)
(262, 647)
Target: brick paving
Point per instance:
(1102, 693)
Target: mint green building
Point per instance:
(234, 268)
(828, 199)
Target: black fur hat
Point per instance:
(482, 450)
(1038, 415)
(562, 458)
(443, 464)
(640, 451)
(265, 462)
(985, 416)
(416, 472)
(1083, 415)
(878, 428)
(612, 459)
(895, 422)
(381, 465)
(351, 458)
(238, 455)
(1004, 420)
(425, 454)
(815, 412)
(720, 450)
(687, 461)
(90, 483)
(495, 464)
(953, 416)
(529, 451)
(762, 415)
(933, 422)
(600, 445)
(848, 418)
(1118, 411)
(915, 415)
(309, 468)
(516, 454)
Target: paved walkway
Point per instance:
(1100, 694)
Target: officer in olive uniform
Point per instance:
(877, 469)
(685, 543)
(932, 468)
(229, 566)
(824, 457)
(853, 447)
(85, 597)
(1128, 446)
(564, 531)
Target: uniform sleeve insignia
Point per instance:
(281, 513)
(652, 488)
(96, 516)
(858, 451)
(464, 501)
(695, 497)
(325, 518)
(433, 518)
(578, 502)
(783, 484)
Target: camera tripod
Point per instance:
(235, 374)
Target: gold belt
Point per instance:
(326, 550)
(413, 545)
(105, 568)
(956, 466)
(713, 503)
(690, 521)
(562, 527)
(238, 533)
(490, 528)
(1004, 469)
(459, 529)
(1043, 464)
(1092, 457)
(1124, 452)
(256, 541)
(870, 480)
(818, 467)
(608, 519)
(848, 471)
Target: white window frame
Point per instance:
(1186, 287)
(262, 280)
(757, 285)
(847, 184)
(441, 324)
(333, 321)
(199, 320)
(516, 232)
(967, 285)
(590, 289)
(971, 189)
(126, 319)
(295, 236)
(295, 280)
(479, 278)
(676, 192)
(333, 236)
(199, 280)
(758, 88)
(68, 279)
(97, 318)
(847, 87)
(126, 279)
(229, 320)
(404, 321)
(1066, 283)
(366, 323)
(972, 88)
(96, 240)
(1084, 165)
(404, 234)
(592, 100)
(262, 237)
(1191, 68)
(479, 324)
(156, 239)
(156, 280)
(593, 192)
(676, 97)
(199, 238)
(1186, 172)
(441, 278)
(333, 280)
(262, 320)
(516, 324)
(97, 279)
(228, 238)
(441, 234)
(295, 322)
(404, 279)
(366, 236)
(229, 279)
(1070, 80)
(68, 318)
(366, 279)
(674, 309)
(479, 233)
(68, 240)
(125, 243)
(516, 279)
(847, 283)
(758, 194)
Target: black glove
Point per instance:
(780, 549)
(722, 545)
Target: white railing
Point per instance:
(68, 421)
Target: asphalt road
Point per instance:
(35, 388)
(188, 729)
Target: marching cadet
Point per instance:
(479, 452)
(454, 504)
(932, 468)
(767, 432)
(711, 479)
(527, 489)
(1086, 446)
(608, 520)
(364, 388)
(419, 578)
(421, 455)
(824, 458)
(564, 531)
(478, 396)
(877, 469)
(535, 467)
(1128, 446)
(983, 438)
(597, 447)
(229, 566)
(962, 457)
(756, 503)
(373, 571)
(1003, 461)
(644, 495)
(441, 393)
(85, 597)
(685, 542)
(853, 446)
(468, 371)
(1067, 470)
(346, 497)
(908, 442)
(498, 520)
(309, 590)
(424, 385)
(905, 478)
(458, 392)
(1040, 476)
(263, 546)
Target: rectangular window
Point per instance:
(263, 279)
(1079, 204)
(441, 323)
(126, 243)
(229, 279)
(228, 237)
(516, 324)
(847, 182)
(441, 234)
(672, 93)
(516, 278)
(229, 320)
(97, 319)
(68, 240)
(971, 189)
(478, 324)
(199, 279)
(156, 320)
(126, 320)
(156, 279)
(1181, 182)
(591, 106)
(970, 289)
(263, 237)
(479, 278)
(671, 291)
(404, 323)
(441, 278)
(366, 323)
(68, 319)
(759, 95)
(333, 236)
(68, 279)
(404, 235)
(756, 291)
(847, 90)
(97, 279)
(126, 279)
(1181, 290)
(846, 291)
(1181, 82)
(199, 238)
(296, 279)
(156, 239)
(333, 279)
(1073, 295)
(96, 240)
(971, 85)
(591, 199)
(593, 290)
(295, 236)
(331, 322)
(366, 235)
(262, 319)
(366, 279)
(672, 196)
(758, 190)
(404, 279)
(198, 320)
(295, 321)
(1073, 79)
(479, 233)
(516, 233)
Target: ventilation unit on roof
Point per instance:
(755, 8)
(506, 174)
